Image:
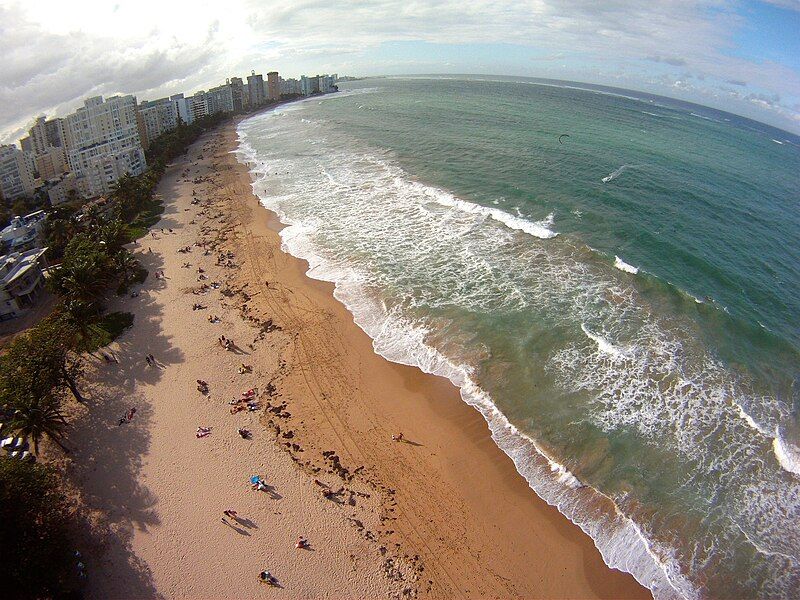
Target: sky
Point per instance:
(737, 55)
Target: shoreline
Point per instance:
(445, 514)
(442, 398)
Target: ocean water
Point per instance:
(620, 304)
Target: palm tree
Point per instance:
(40, 416)
(77, 320)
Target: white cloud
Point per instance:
(57, 52)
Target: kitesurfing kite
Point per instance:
(563, 135)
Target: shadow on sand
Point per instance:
(106, 460)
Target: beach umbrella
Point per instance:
(255, 479)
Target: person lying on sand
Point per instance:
(203, 432)
(243, 368)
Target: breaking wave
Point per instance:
(623, 266)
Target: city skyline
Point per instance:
(739, 56)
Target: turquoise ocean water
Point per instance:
(621, 305)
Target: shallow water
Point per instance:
(620, 304)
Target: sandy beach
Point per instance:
(440, 514)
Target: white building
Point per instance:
(104, 142)
(199, 107)
(219, 99)
(62, 189)
(21, 281)
(16, 173)
(183, 108)
(23, 233)
(291, 86)
(47, 134)
(156, 117)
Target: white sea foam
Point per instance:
(778, 142)
(604, 345)
(540, 229)
(750, 420)
(623, 266)
(788, 454)
(640, 382)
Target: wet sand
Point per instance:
(441, 514)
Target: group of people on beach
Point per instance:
(248, 399)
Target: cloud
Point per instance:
(668, 60)
(55, 53)
(787, 4)
(738, 82)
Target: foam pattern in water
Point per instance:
(432, 278)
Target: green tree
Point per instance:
(39, 365)
(37, 416)
(85, 273)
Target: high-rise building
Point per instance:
(51, 163)
(255, 86)
(47, 134)
(219, 99)
(291, 86)
(273, 86)
(16, 174)
(156, 117)
(183, 108)
(198, 106)
(237, 90)
(104, 143)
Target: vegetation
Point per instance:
(36, 374)
(34, 543)
(109, 328)
(42, 368)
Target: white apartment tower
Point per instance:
(104, 143)
(16, 173)
(156, 117)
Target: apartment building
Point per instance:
(104, 142)
(237, 92)
(255, 87)
(199, 107)
(16, 173)
(21, 281)
(156, 117)
(23, 233)
(273, 86)
(219, 99)
(51, 163)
